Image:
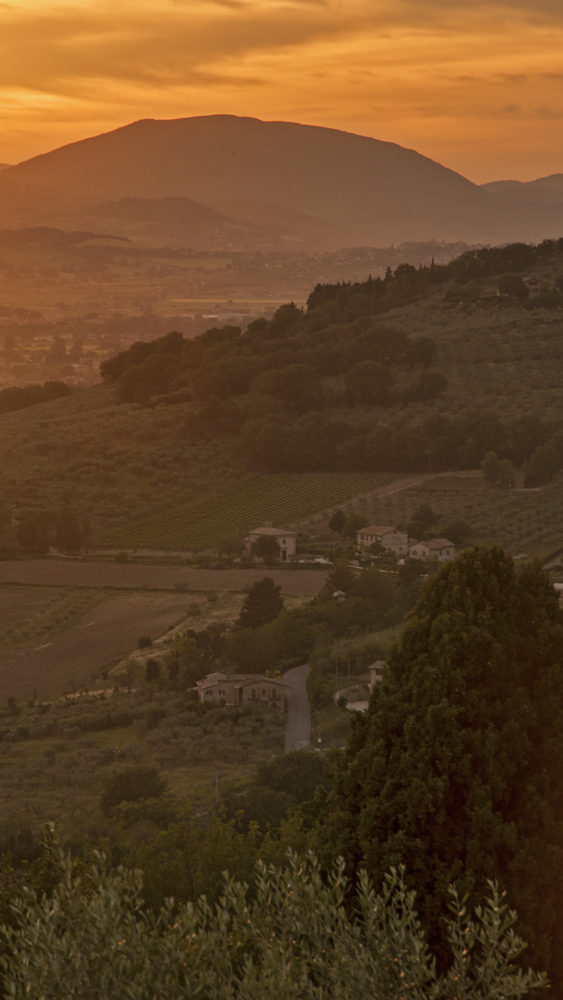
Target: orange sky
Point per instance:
(478, 87)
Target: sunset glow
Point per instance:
(478, 87)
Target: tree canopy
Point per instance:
(262, 604)
(457, 770)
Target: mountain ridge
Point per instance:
(334, 188)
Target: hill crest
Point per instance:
(336, 188)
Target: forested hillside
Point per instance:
(422, 370)
(425, 370)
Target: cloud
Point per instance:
(532, 112)
(166, 42)
(411, 72)
(482, 12)
(140, 42)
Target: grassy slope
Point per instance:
(55, 760)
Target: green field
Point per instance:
(281, 498)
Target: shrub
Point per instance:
(295, 937)
(132, 785)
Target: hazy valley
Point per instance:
(211, 324)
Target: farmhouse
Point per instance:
(286, 539)
(435, 548)
(388, 537)
(241, 689)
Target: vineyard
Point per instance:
(282, 499)
(522, 521)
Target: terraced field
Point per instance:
(282, 499)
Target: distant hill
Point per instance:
(552, 185)
(181, 221)
(531, 199)
(292, 184)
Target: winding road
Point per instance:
(298, 718)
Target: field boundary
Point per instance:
(282, 498)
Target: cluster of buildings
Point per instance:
(237, 690)
(390, 539)
(387, 537)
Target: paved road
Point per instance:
(298, 718)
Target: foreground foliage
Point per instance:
(294, 938)
(457, 769)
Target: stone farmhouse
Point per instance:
(241, 689)
(440, 549)
(388, 537)
(286, 539)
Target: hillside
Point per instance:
(544, 190)
(423, 372)
(321, 187)
(179, 220)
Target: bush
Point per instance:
(90, 940)
(132, 785)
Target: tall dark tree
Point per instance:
(266, 547)
(262, 604)
(337, 521)
(457, 770)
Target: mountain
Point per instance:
(540, 200)
(309, 186)
(543, 187)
